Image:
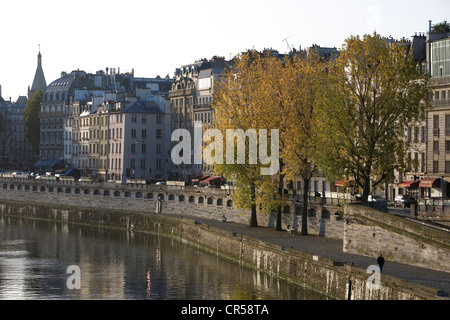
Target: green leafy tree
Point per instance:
(441, 27)
(373, 92)
(31, 120)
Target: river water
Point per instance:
(42, 260)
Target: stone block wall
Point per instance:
(210, 203)
(323, 275)
(371, 232)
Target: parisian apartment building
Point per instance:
(110, 125)
(191, 98)
(438, 118)
(115, 126)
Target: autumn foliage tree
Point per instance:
(299, 82)
(264, 91)
(372, 93)
(239, 105)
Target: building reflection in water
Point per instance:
(116, 264)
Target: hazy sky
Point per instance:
(155, 37)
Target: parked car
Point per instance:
(404, 201)
(70, 173)
(375, 198)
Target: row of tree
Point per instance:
(345, 116)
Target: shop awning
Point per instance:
(198, 179)
(212, 180)
(409, 184)
(341, 183)
(430, 183)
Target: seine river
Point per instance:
(47, 261)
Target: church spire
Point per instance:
(39, 56)
(39, 82)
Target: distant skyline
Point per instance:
(156, 37)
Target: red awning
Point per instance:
(197, 179)
(341, 183)
(430, 183)
(409, 184)
(212, 180)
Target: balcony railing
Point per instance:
(441, 103)
(440, 80)
(202, 106)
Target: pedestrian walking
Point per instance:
(380, 261)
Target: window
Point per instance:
(133, 133)
(144, 148)
(144, 133)
(423, 162)
(158, 133)
(416, 161)
(158, 164)
(436, 147)
(142, 163)
(158, 148)
(133, 163)
(447, 125)
(158, 119)
(447, 166)
(144, 119)
(133, 148)
(436, 125)
(435, 166)
(133, 118)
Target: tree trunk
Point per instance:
(366, 191)
(305, 207)
(280, 205)
(253, 218)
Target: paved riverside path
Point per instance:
(333, 249)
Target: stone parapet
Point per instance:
(371, 232)
(323, 275)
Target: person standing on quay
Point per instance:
(380, 261)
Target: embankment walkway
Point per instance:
(333, 249)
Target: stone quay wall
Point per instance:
(210, 203)
(371, 232)
(331, 278)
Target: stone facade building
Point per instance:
(125, 136)
(438, 118)
(190, 98)
(58, 102)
